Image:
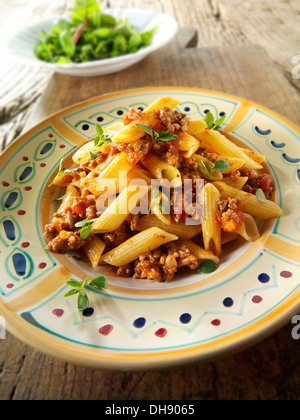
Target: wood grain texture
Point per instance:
(226, 61)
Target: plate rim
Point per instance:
(270, 324)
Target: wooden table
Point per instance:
(269, 370)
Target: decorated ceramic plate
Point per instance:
(141, 324)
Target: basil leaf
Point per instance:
(147, 129)
(209, 119)
(71, 292)
(99, 282)
(207, 267)
(220, 121)
(85, 232)
(94, 154)
(168, 137)
(261, 195)
(83, 301)
(74, 283)
(99, 131)
(221, 165)
(164, 208)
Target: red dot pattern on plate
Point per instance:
(28, 188)
(42, 266)
(257, 299)
(50, 135)
(106, 329)
(161, 332)
(42, 165)
(5, 184)
(216, 322)
(25, 244)
(21, 212)
(10, 285)
(286, 274)
(25, 158)
(58, 312)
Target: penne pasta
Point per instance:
(162, 200)
(132, 132)
(143, 242)
(214, 141)
(120, 208)
(236, 183)
(211, 231)
(249, 229)
(264, 210)
(179, 229)
(162, 170)
(94, 250)
(187, 144)
(201, 254)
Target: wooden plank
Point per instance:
(232, 69)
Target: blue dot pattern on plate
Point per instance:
(264, 278)
(228, 302)
(185, 318)
(139, 322)
(88, 312)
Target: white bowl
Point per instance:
(21, 45)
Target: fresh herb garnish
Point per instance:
(86, 226)
(210, 121)
(207, 267)
(158, 136)
(154, 197)
(261, 195)
(209, 168)
(78, 286)
(88, 34)
(99, 141)
(62, 170)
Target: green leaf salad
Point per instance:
(88, 34)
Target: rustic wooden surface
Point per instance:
(269, 370)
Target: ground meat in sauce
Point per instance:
(230, 204)
(162, 263)
(172, 119)
(116, 238)
(169, 152)
(135, 150)
(256, 181)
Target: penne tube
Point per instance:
(235, 164)
(211, 231)
(187, 144)
(119, 209)
(201, 254)
(196, 127)
(68, 199)
(132, 132)
(236, 183)
(252, 205)
(161, 170)
(143, 242)
(179, 229)
(249, 229)
(259, 158)
(227, 237)
(214, 141)
(117, 164)
(94, 250)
